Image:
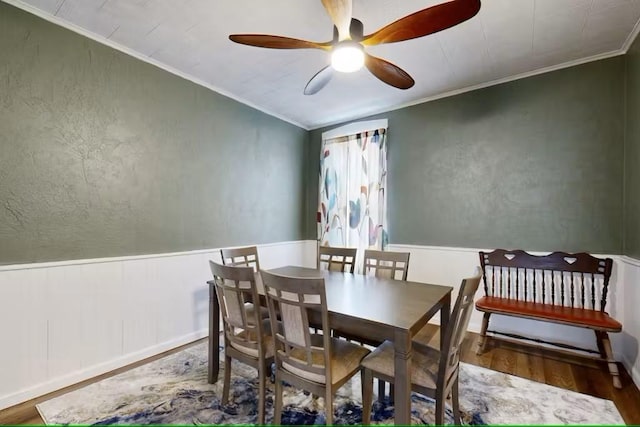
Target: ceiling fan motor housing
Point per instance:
(356, 29)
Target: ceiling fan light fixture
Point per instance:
(347, 46)
(347, 57)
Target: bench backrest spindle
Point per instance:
(493, 281)
(535, 287)
(559, 278)
(582, 289)
(572, 292)
(593, 291)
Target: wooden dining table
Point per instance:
(363, 306)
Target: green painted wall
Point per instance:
(632, 153)
(535, 164)
(104, 155)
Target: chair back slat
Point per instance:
(295, 299)
(337, 259)
(235, 286)
(293, 323)
(577, 280)
(241, 257)
(389, 265)
(456, 330)
(233, 305)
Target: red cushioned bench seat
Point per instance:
(592, 319)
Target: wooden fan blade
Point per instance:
(277, 42)
(319, 81)
(340, 12)
(425, 22)
(388, 73)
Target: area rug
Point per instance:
(174, 390)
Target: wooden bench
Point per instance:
(564, 288)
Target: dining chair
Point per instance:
(316, 363)
(433, 373)
(244, 257)
(337, 259)
(246, 339)
(391, 265)
(241, 257)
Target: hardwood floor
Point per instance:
(26, 412)
(553, 367)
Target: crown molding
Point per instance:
(496, 82)
(117, 46)
(632, 37)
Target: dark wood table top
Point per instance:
(395, 303)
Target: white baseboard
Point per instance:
(634, 370)
(99, 369)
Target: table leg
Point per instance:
(214, 335)
(445, 312)
(402, 376)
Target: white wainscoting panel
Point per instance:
(23, 347)
(631, 321)
(448, 266)
(64, 322)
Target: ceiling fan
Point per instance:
(347, 47)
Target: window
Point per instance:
(352, 187)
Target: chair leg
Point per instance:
(227, 379)
(483, 334)
(262, 379)
(603, 354)
(440, 407)
(608, 353)
(277, 407)
(366, 377)
(381, 390)
(328, 405)
(455, 402)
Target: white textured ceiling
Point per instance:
(507, 38)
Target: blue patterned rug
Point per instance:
(174, 390)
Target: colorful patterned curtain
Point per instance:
(352, 210)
